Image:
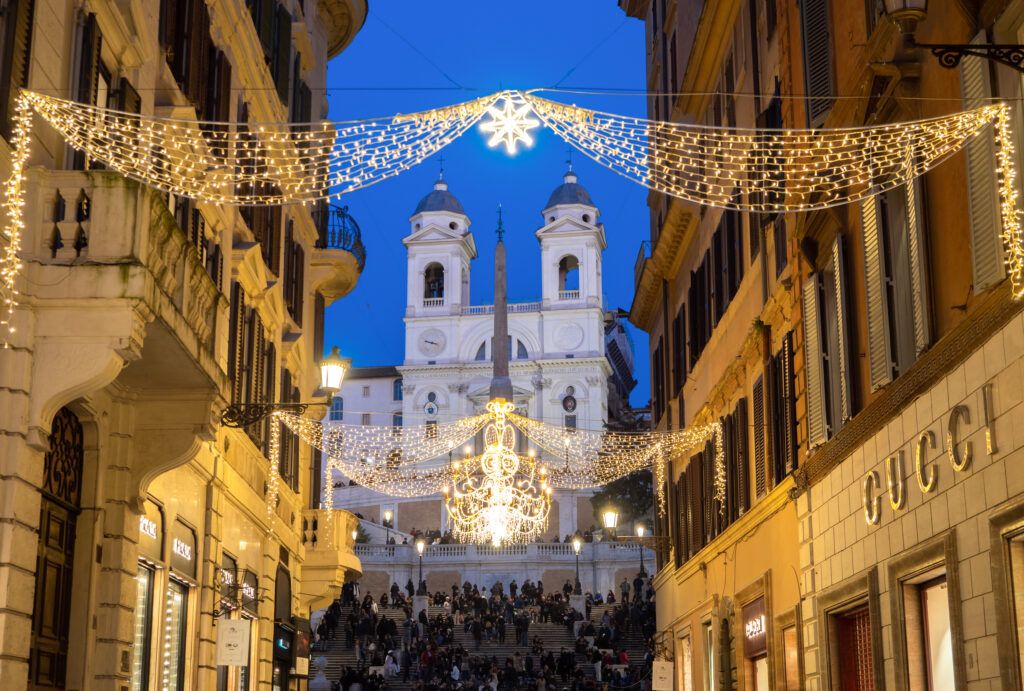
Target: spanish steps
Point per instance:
(555, 636)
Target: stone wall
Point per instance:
(859, 549)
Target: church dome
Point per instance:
(440, 199)
(569, 192)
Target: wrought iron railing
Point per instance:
(339, 231)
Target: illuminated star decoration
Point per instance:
(510, 125)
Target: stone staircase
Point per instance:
(555, 637)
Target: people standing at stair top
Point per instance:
(624, 589)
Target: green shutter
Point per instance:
(880, 363)
(817, 57)
(817, 424)
(918, 264)
(842, 324)
(987, 264)
(760, 459)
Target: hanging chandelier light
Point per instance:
(503, 498)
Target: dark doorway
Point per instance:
(61, 503)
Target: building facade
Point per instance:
(864, 360)
(561, 359)
(135, 527)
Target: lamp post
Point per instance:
(610, 519)
(577, 546)
(355, 536)
(332, 373)
(388, 513)
(421, 546)
(640, 530)
(907, 13)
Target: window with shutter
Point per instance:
(760, 457)
(814, 30)
(680, 527)
(880, 365)
(282, 61)
(15, 48)
(236, 341)
(679, 343)
(814, 365)
(917, 256)
(987, 258)
(87, 71)
(711, 504)
(788, 403)
(696, 508)
(839, 360)
(729, 450)
(742, 456)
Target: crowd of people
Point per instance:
(392, 642)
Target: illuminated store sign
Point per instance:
(959, 451)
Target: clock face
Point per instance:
(431, 342)
(430, 409)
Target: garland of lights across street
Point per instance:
(501, 496)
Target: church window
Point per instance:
(586, 218)
(570, 422)
(432, 397)
(453, 225)
(521, 352)
(433, 281)
(568, 274)
(366, 419)
(338, 409)
(396, 390)
(481, 352)
(396, 420)
(431, 431)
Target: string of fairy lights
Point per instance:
(260, 164)
(754, 170)
(420, 460)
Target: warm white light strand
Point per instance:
(13, 210)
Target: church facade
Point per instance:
(559, 364)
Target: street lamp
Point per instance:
(907, 13)
(388, 513)
(610, 519)
(421, 546)
(332, 373)
(355, 536)
(577, 546)
(640, 530)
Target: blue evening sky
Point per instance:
(485, 46)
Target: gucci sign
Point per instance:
(959, 452)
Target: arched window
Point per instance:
(568, 276)
(481, 352)
(433, 281)
(396, 390)
(338, 408)
(521, 352)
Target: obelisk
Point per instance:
(501, 384)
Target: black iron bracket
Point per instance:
(950, 54)
(245, 414)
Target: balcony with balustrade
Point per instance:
(330, 559)
(602, 564)
(340, 256)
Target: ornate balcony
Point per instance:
(339, 257)
(120, 293)
(330, 560)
